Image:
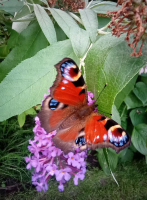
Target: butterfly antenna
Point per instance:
(99, 97)
(101, 91)
(105, 112)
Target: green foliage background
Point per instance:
(38, 37)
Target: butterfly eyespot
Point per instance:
(80, 141)
(53, 104)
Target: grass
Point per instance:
(132, 179)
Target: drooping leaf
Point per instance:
(123, 115)
(80, 41)
(64, 20)
(125, 91)
(107, 159)
(45, 23)
(30, 41)
(27, 83)
(90, 21)
(139, 138)
(30, 111)
(21, 119)
(132, 101)
(140, 91)
(109, 61)
(138, 116)
(103, 7)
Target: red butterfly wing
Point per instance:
(69, 86)
(101, 131)
(66, 95)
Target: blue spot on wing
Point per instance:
(53, 104)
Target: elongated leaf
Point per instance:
(109, 61)
(64, 20)
(125, 91)
(80, 41)
(29, 43)
(140, 91)
(115, 115)
(138, 116)
(104, 6)
(45, 23)
(27, 83)
(123, 115)
(11, 6)
(139, 138)
(20, 26)
(25, 10)
(90, 21)
(107, 160)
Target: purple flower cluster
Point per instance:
(46, 160)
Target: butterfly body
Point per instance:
(78, 125)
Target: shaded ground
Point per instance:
(132, 179)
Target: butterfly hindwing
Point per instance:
(101, 131)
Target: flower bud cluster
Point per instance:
(130, 19)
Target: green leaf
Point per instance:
(107, 160)
(80, 41)
(115, 115)
(143, 78)
(90, 21)
(125, 91)
(109, 61)
(60, 33)
(64, 20)
(21, 119)
(104, 6)
(11, 6)
(138, 116)
(27, 83)
(25, 10)
(30, 41)
(13, 39)
(126, 155)
(45, 23)
(139, 138)
(103, 21)
(3, 51)
(30, 111)
(140, 91)
(123, 115)
(132, 101)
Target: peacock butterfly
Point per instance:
(78, 126)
